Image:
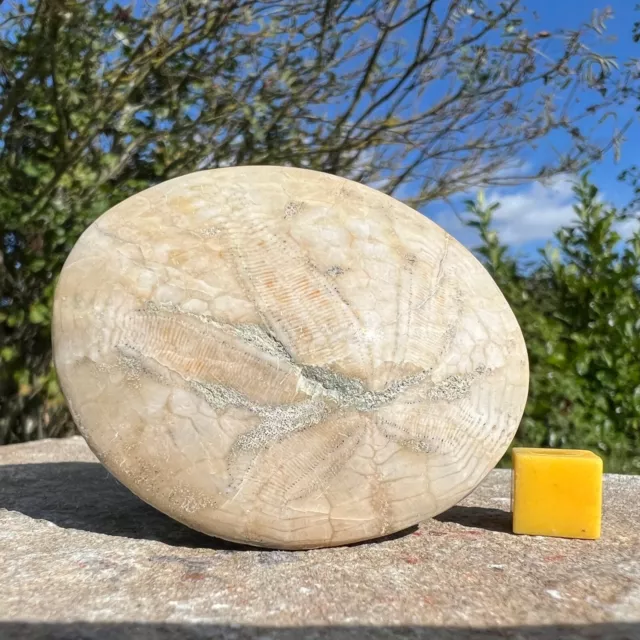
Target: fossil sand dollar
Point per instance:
(286, 358)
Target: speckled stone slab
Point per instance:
(83, 558)
(286, 358)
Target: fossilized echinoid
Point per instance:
(286, 358)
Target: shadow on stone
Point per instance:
(478, 518)
(392, 536)
(167, 631)
(85, 496)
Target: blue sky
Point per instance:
(531, 212)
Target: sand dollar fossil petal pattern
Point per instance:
(286, 358)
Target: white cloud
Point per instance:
(535, 212)
(529, 214)
(627, 228)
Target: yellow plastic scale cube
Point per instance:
(557, 492)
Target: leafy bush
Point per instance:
(579, 311)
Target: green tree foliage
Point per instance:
(579, 309)
(100, 99)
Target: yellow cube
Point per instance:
(556, 492)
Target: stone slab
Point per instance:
(82, 557)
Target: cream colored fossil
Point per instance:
(286, 358)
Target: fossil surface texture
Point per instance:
(286, 358)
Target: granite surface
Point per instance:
(82, 557)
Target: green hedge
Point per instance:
(578, 307)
